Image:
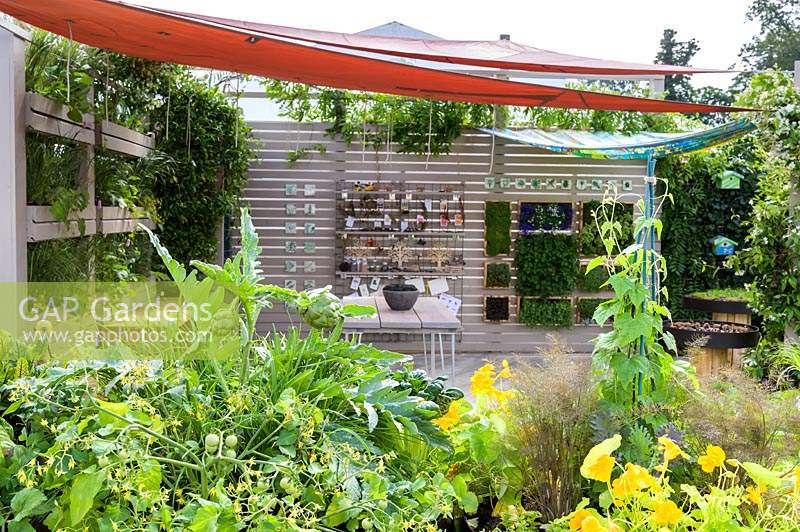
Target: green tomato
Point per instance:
(229, 453)
(286, 484)
(366, 523)
(231, 440)
(212, 442)
(382, 504)
(102, 461)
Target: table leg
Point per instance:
(425, 350)
(441, 352)
(453, 355)
(433, 353)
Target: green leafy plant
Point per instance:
(545, 312)
(591, 241)
(498, 275)
(497, 228)
(546, 264)
(593, 281)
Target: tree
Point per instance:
(777, 44)
(680, 53)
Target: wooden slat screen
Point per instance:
(469, 161)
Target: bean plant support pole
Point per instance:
(647, 239)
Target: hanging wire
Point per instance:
(169, 99)
(494, 125)
(189, 128)
(430, 132)
(69, 63)
(108, 74)
(236, 133)
(364, 131)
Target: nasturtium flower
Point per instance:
(714, 458)
(797, 481)
(670, 449)
(754, 494)
(505, 373)
(666, 513)
(592, 524)
(482, 383)
(598, 462)
(633, 480)
(450, 418)
(577, 519)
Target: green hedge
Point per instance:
(497, 232)
(545, 312)
(591, 243)
(593, 281)
(546, 264)
(498, 275)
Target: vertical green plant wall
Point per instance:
(497, 228)
(591, 243)
(536, 312)
(546, 264)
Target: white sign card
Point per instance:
(387, 220)
(428, 204)
(452, 303)
(418, 282)
(309, 190)
(355, 283)
(375, 283)
(291, 189)
(350, 222)
(438, 286)
(363, 290)
(403, 226)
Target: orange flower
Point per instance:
(450, 418)
(714, 458)
(666, 513)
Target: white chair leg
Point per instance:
(433, 354)
(453, 355)
(425, 351)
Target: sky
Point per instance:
(624, 30)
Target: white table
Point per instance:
(429, 318)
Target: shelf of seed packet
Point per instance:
(400, 230)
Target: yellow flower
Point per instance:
(598, 462)
(482, 384)
(601, 469)
(450, 418)
(754, 494)
(505, 373)
(577, 519)
(670, 449)
(714, 458)
(591, 524)
(666, 513)
(733, 462)
(633, 480)
(797, 481)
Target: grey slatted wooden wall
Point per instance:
(470, 161)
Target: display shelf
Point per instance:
(454, 274)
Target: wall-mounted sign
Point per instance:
(309, 266)
(290, 247)
(309, 284)
(290, 266)
(291, 209)
(290, 284)
(310, 247)
(291, 228)
(310, 209)
(291, 189)
(309, 190)
(310, 228)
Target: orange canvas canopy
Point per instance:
(191, 40)
(503, 54)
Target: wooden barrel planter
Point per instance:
(711, 343)
(730, 309)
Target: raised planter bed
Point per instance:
(712, 345)
(713, 334)
(717, 305)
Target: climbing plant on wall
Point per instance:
(412, 125)
(699, 211)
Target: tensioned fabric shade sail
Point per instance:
(149, 34)
(500, 54)
(600, 145)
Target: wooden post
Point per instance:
(789, 333)
(13, 194)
